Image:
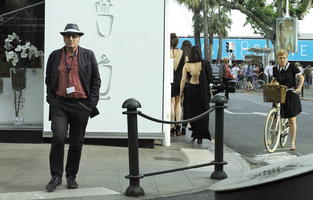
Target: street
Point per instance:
(244, 120)
(244, 125)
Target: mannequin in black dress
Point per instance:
(285, 74)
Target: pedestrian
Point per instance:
(196, 93)
(186, 48)
(307, 76)
(73, 83)
(248, 71)
(235, 71)
(225, 75)
(286, 74)
(299, 66)
(268, 71)
(178, 62)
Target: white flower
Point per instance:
(16, 51)
(9, 55)
(23, 54)
(18, 48)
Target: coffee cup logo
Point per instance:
(104, 18)
(106, 73)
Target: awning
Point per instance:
(258, 50)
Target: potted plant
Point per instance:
(21, 55)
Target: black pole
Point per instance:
(134, 188)
(219, 138)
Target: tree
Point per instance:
(262, 16)
(195, 7)
(218, 24)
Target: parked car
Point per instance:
(217, 83)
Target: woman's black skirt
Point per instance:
(292, 107)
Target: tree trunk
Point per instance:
(210, 47)
(220, 48)
(205, 32)
(197, 38)
(196, 30)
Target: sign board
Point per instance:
(304, 47)
(287, 33)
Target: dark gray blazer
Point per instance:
(88, 74)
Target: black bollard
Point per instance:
(219, 138)
(134, 177)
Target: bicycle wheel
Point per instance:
(245, 86)
(258, 85)
(284, 132)
(239, 85)
(272, 131)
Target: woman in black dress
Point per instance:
(285, 74)
(196, 94)
(178, 62)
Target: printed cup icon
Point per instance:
(104, 24)
(106, 74)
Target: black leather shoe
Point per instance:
(53, 183)
(71, 183)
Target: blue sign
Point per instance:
(304, 53)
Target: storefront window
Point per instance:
(21, 64)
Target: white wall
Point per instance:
(134, 48)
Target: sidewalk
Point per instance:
(24, 171)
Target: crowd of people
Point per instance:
(192, 76)
(190, 92)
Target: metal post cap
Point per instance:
(219, 99)
(131, 103)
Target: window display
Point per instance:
(21, 63)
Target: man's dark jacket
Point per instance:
(88, 73)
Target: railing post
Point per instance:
(219, 138)
(134, 188)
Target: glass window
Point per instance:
(21, 64)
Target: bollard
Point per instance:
(134, 177)
(219, 138)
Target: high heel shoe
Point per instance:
(183, 131)
(178, 131)
(293, 147)
(172, 132)
(199, 141)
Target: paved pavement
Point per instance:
(308, 93)
(24, 171)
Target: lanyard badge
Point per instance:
(69, 89)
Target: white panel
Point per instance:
(133, 48)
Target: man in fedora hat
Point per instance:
(73, 83)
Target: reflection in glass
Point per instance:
(21, 35)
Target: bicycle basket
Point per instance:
(274, 93)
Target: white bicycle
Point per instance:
(276, 129)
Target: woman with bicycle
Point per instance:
(286, 73)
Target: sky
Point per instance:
(180, 22)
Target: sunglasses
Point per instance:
(71, 35)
